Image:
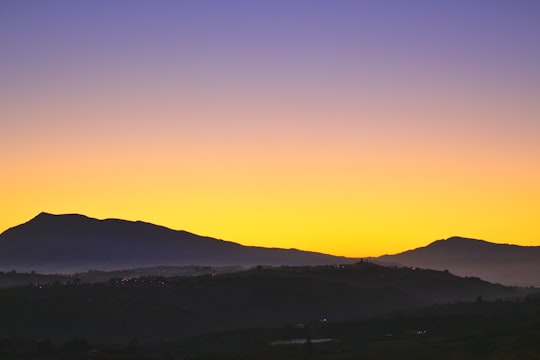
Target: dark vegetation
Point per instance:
(477, 330)
(15, 279)
(362, 310)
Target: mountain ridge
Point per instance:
(501, 263)
(69, 243)
(47, 243)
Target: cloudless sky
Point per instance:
(349, 127)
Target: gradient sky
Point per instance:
(354, 128)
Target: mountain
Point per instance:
(499, 263)
(71, 243)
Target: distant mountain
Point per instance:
(73, 243)
(499, 263)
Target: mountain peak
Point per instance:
(73, 242)
(458, 241)
(45, 215)
(461, 238)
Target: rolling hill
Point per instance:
(157, 308)
(74, 243)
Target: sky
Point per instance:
(354, 128)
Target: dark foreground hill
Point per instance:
(465, 331)
(157, 308)
(74, 243)
(499, 263)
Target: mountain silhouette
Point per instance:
(499, 263)
(72, 242)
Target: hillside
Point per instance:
(75, 243)
(154, 308)
(499, 263)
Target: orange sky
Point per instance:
(318, 138)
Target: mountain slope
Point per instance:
(68, 243)
(502, 263)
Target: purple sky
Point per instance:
(369, 103)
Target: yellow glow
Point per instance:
(345, 198)
(357, 128)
